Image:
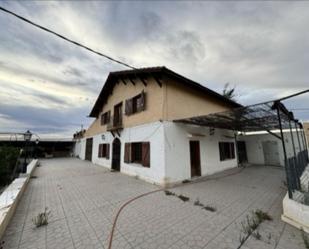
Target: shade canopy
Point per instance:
(258, 117)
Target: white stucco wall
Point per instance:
(79, 148)
(255, 148)
(177, 150)
(152, 133)
(169, 151)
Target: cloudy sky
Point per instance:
(49, 86)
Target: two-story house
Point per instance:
(134, 130)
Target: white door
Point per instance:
(271, 154)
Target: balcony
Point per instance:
(115, 123)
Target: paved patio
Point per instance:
(83, 199)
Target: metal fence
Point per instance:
(295, 168)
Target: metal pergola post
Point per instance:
(304, 139)
(236, 148)
(296, 126)
(285, 155)
(295, 155)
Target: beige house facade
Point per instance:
(134, 130)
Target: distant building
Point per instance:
(45, 148)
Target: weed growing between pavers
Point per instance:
(186, 181)
(1, 244)
(42, 218)
(256, 234)
(181, 197)
(33, 177)
(168, 192)
(198, 203)
(305, 238)
(206, 207)
(210, 208)
(250, 225)
(261, 215)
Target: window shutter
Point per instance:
(221, 150)
(107, 151)
(232, 150)
(108, 117)
(127, 153)
(146, 154)
(129, 107)
(143, 102)
(99, 150)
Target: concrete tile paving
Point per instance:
(83, 199)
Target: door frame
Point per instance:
(195, 165)
(116, 154)
(89, 145)
(242, 152)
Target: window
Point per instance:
(105, 117)
(135, 104)
(138, 152)
(118, 114)
(103, 151)
(227, 150)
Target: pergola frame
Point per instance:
(266, 116)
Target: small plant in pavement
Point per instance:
(42, 218)
(210, 208)
(198, 203)
(183, 198)
(168, 192)
(261, 215)
(250, 225)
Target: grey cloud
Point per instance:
(73, 71)
(46, 120)
(261, 47)
(76, 81)
(186, 46)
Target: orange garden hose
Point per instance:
(120, 209)
(151, 192)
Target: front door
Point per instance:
(271, 153)
(88, 151)
(195, 158)
(116, 154)
(242, 152)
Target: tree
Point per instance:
(229, 92)
(8, 162)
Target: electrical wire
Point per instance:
(65, 38)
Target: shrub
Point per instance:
(8, 159)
